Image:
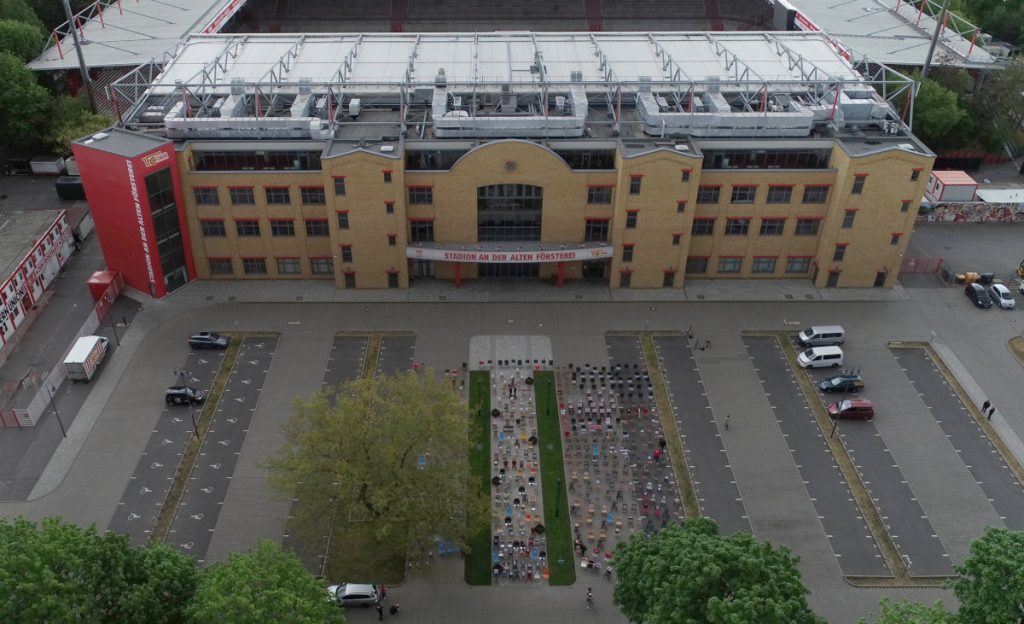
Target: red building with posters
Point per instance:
(132, 183)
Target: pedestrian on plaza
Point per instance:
(727, 422)
(991, 410)
(657, 454)
(699, 345)
(380, 611)
(383, 592)
(707, 344)
(984, 407)
(662, 443)
(689, 332)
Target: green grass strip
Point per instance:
(478, 560)
(561, 563)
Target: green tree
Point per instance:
(23, 103)
(382, 457)
(71, 119)
(904, 612)
(937, 113)
(691, 574)
(51, 12)
(21, 39)
(58, 572)
(20, 10)
(265, 585)
(990, 585)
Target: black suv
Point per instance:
(978, 295)
(181, 395)
(841, 383)
(208, 340)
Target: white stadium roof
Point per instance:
(128, 33)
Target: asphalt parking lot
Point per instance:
(144, 496)
(717, 493)
(396, 354)
(993, 476)
(196, 517)
(906, 522)
(854, 546)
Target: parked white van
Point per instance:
(821, 357)
(822, 335)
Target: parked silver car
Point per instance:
(354, 594)
(1002, 296)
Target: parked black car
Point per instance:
(841, 383)
(978, 295)
(180, 395)
(208, 340)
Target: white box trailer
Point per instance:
(85, 357)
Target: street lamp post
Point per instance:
(53, 406)
(117, 339)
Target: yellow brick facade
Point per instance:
(664, 211)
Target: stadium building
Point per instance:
(640, 160)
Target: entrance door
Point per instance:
(509, 271)
(833, 279)
(880, 278)
(420, 269)
(596, 270)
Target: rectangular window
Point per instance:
(743, 194)
(247, 227)
(737, 227)
(213, 227)
(421, 195)
(321, 266)
(206, 195)
(350, 280)
(681, 206)
(392, 240)
(772, 227)
(343, 220)
(708, 194)
(387, 176)
(858, 183)
(278, 195)
(221, 266)
(686, 175)
(730, 264)
(631, 216)
(703, 226)
(763, 264)
(905, 205)
(848, 218)
(780, 194)
(816, 193)
(697, 265)
(634, 184)
(346, 253)
(242, 195)
(599, 194)
(254, 266)
(676, 239)
(313, 195)
(596, 231)
(288, 266)
(389, 207)
(915, 175)
(798, 264)
(839, 253)
(807, 227)
(421, 231)
(339, 186)
(317, 227)
(895, 239)
(669, 280)
(627, 253)
(282, 227)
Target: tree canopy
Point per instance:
(937, 113)
(24, 105)
(265, 585)
(72, 120)
(388, 454)
(21, 39)
(58, 572)
(905, 612)
(20, 10)
(691, 574)
(991, 582)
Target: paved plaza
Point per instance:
(747, 474)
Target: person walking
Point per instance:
(380, 611)
(984, 407)
(590, 597)
(727, 422)
(991, 410)
(383, 592)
